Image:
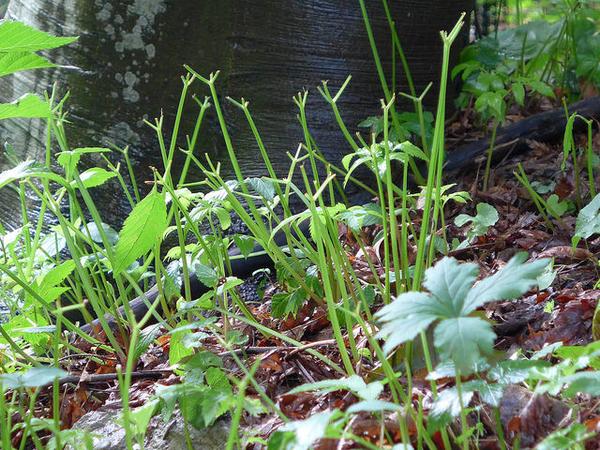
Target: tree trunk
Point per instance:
(127, 62)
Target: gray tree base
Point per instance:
(108, 434)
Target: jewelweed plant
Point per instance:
(67, 257)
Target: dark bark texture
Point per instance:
(127, 62)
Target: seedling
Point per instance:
(486, 217)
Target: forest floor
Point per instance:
(560, 313)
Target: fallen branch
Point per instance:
(103, 377)
(543, 127)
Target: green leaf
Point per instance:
(373, 406)
(572, 437)
(177, 349)
(556, 207)
(34, 377)
(491, 104)
(244, 243)
(519, 93)
(586, 382)
(69, 159)
(94, 232)
(96, 176)
(450, 282)
(140, 417)
(57, 274)
(262, 187)
(486, 217)
(16, 62)
(281, 440)
(229, 284)
(408, 315)
(142, 229)
(310, 430)
(588, 219)
(18, 37)
(29, 106)
(27, 169)
(284, 304)
(447, 406)
(512, 281)
(513, 372)
(353, 383)
(541, 88)
(463, 340)
(410, 149)
(206, 274)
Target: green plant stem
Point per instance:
(327, 286)
(590, 158)
(463, 412)
(488, 161)
(391, 216)
(380, 73)
(398, 48)
(192, 142)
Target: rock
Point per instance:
(530, 416)
(108, 434)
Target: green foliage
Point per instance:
(493, 74)
(560, 49)
(29, 106)
(142, 230)
(588, 221)
(18, 37)
(409, 127)
(374, 157)
(572, 437)
(302, 434)
(451, 300)
(486, 217)
(18, 44)
(31, 378)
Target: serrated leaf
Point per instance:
(69, 159)
(513, 372)
(463, 340)
(30, 106)
(512, 281)
(262, 187)
(94, 177)
(206, 274)
(244, 243)
(588, 219)
(18, 37)
(142, 229)
(34, 377)
(224, 218)
(18, 61)
(519, 93)
(353, 383)
(57, 274)
(406, 317)
(450, 282)
(26, 169)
